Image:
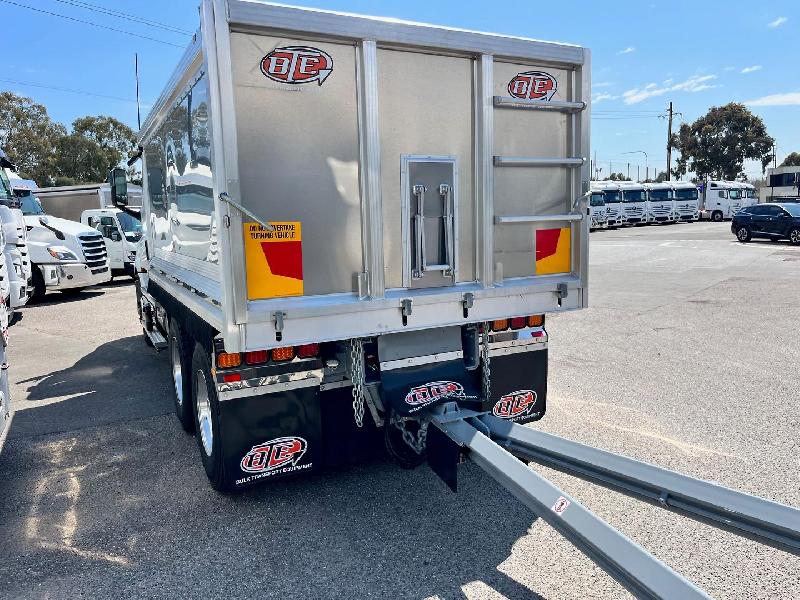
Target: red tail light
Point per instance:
(308, 350)
(232, 377)
(256, 357)
(518, 322)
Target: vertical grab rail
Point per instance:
(447, 217)
(419, 231)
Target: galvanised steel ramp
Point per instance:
(497, 445)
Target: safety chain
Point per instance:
(417, 444)
(357, 377)
(486, 373)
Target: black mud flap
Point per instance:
(271, 436)
(519, 386)
(411, 390)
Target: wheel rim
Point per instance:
(203, 406)
(795, 236)
(743, 234)
(177, 372)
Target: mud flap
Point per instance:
(410, 390)
(519, 386)
(271, 436)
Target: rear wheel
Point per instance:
(794, 236)
(38, 285)
(397, 448)
(206, 412)
(743, 234)
(181, 383)
(716, 216)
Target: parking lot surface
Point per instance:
(687, 358)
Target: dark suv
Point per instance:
(773, 221)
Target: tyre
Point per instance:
(181, 366)
(38, 286)
(743, 234)
(206, 411)
(716, 216)
(794, 236)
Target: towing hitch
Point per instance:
(496, 446)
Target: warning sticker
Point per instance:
(553, 251)
(274, 260)
(560, 506)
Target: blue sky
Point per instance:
(696, 54)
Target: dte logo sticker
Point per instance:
(533, 85)
(297, 64)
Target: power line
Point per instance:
(39, 10)
(122, 15)
(62, 89)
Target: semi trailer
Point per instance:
(368, 268)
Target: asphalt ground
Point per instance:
(687, 358)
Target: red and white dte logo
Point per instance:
(297, 64)
(533, 85)
(274, 454)
(515, 404)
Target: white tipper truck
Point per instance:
(366, 266)
(65, 256)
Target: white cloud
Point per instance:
(627, 50)
(695, 83)
(603, 96)
(751, 69)
(730, 68)
(603, 84)
(787, 99)
(777, 22)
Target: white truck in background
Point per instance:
(6, 413)
(634, 203)
(15, 247)
(660, 203)
(687, 204)
(65, 256)
(597, 210)
(612, 198)
(91, 204)
(719, 200)
(749, 194)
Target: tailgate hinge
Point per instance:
(405, 308)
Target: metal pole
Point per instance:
(669, 142)
(136, 71)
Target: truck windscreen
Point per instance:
(612, 196)
(5, 187)
(686, 194)
(129, 223)
(660, 194)
(597, 200)
(633, 196)
(30, 204)
(735, 194)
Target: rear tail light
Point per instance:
(308, 350)
(500, 325)
(283, 354)
(227, 361)
(518, 322)
(256, 357)
(535, 320)
(232, 377)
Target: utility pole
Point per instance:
(629, 170)
(669, 143)
(638, 177)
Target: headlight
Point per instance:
(61, 253)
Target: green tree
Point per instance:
(793, 160)
(618, 177)
(29, 136)
(116, 139)
(718, 143)
(80, 160)
(661, 177)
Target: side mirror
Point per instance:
(119, 186)
(115, 236)
(93, 222)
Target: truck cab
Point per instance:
(749, 194)
(660, 203)
(65, 256)
(15, 247)
(634, 203)
(121, 233)
(597, 209)
(687, 204)
(720, 200)
(612, 198)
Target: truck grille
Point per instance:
(94, 250)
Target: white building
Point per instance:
(782, 185)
